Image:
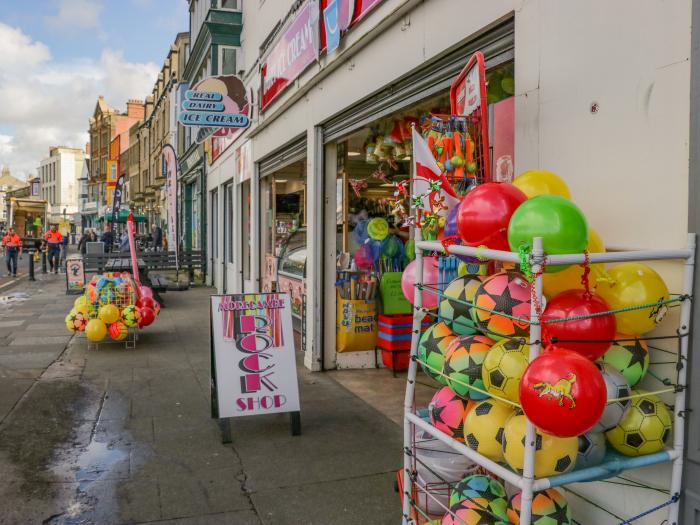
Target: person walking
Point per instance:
(108, 237)
(124, 243)
(54, 239)
(157, 237)
(64, 248)
(12, 243)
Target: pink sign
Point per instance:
(291, 55)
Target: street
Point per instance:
(125, 436)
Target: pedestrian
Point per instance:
(12, 243)
(108, 237)
(124, 243)
(85, 238)
(64, 247)
(54, 240)
(157, 237)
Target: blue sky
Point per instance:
(59, 55)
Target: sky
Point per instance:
(59, 55)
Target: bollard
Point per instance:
(31, 265)
(43, 261)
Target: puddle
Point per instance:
(97, 460)
(14, 297)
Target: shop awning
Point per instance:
(123, 214)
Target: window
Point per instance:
(229, 4)
(228, 61)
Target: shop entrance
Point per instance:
(283, 247)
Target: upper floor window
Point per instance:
(228, 4)
(228, 61)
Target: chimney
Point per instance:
(134, 109)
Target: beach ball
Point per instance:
(146, 316)
(109, 313)
(485, 212)
(634, 284)
(541, 182)
(130, 316)
(484, 427)
(589, 336)
(378, 228)
(616, 387)
(570, 278)
(118, 331)
(431, 278)
(455, 304)
(95, 330)
(562, 392)
(644, 429)
(462, 365)
(70, 321)
(447, 411)
(549, 507)
(471, 512)
(559, 222)
(503, 293)
(629, 355)
(553, 455)
(591, 449)
(432, 348)
(503, 368)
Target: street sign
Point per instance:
(253, 368)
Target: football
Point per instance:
(471, 512)
(455, 305)
(503, 293)
(503, 367)
(478, 487)
(432, 348)
(549, 507)
(591, 450)
(617, 387)
(462, 366)
(629, 355)
(553, 455)
(643, 429)
(484, 427)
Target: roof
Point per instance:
(6, 179)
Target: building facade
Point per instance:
(106, 124)
(7, 183)
(214, 49)
(59, 175)
(598, 112)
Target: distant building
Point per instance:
(7, 183)
(26, 211)
(59, 174)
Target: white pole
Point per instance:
(535, 335)
(679, 409)
(409, 400)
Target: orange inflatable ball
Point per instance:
(541, 182)
(95, 330)
(118, 331)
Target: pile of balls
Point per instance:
(581, 392)
(109, 307)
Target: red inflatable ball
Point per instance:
(145, 302)
(147, 316)
(563, 393)
(485, 212)
(594, 335)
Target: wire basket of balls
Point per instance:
(546, 371)
(112, 309)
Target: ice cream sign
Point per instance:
(215, 104)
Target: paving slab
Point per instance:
(40, 340)
(10, 324)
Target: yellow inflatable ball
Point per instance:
(541, 182)
(503, 368)
(553, 455)
(109, 313)
(634, 284)
(96, 330)
(79, 301)
(570, 278)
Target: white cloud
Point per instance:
(49, 103)
(19, 52)
(75, 14)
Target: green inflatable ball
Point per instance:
(559, 222)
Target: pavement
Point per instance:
(110, 435)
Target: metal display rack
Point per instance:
(527, 482)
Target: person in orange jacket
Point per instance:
(54, 239)
(12, 243)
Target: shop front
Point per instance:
(191, 201)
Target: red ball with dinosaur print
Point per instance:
(562, 392)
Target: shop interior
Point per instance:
(373, 246)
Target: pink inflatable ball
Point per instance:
(364, 257)
(146, 292)
(430, 279)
